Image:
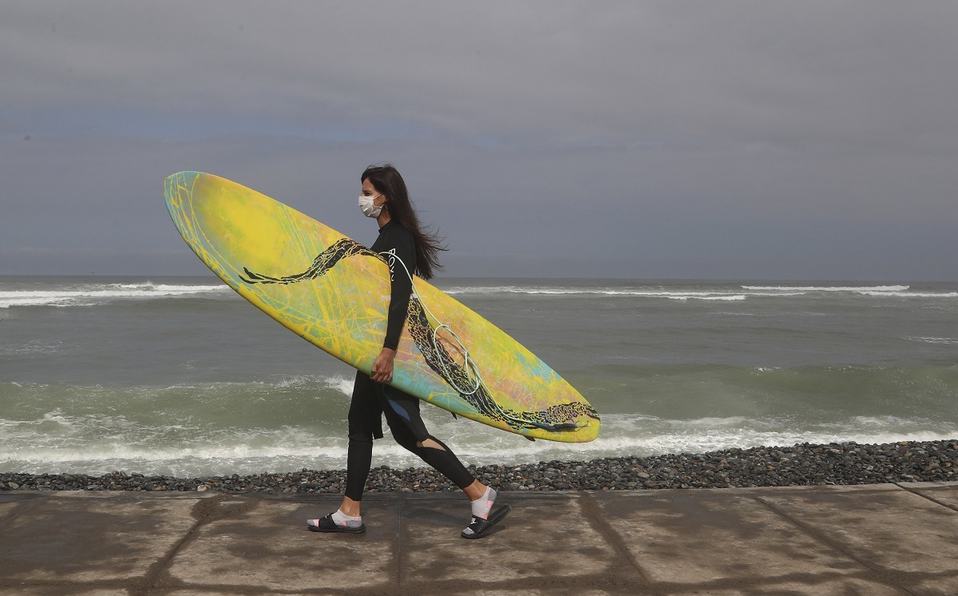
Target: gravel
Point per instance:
(800, 464)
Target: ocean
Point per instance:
(180, 376)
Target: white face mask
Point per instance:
(369, 209)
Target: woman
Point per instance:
(384, 197)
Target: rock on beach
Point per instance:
(800, 464)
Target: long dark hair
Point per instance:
(386, 179)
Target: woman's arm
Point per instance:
(401, 289)
(400, 292)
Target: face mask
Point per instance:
(367, 206)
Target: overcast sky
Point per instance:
(777, 140)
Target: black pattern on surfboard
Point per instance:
(555, 418)
(324, 261)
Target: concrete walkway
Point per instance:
(870, 539)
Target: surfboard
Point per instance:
(334, 293)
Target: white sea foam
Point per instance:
(108, 443)
(682, 295)
(935, 340)
(341, 384)
(728, 297)
(92, 294)
(910, 294)
(874, 291)
(829, 288)
(32, 347)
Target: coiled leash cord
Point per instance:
(469, 362)
(562, 426)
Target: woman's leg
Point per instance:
(473, 490)
(406, 425)
(409, 430)
(360, 449)
(364, 423)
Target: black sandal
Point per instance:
(479, 527)
(326, 524)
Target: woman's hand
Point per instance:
(383, 366)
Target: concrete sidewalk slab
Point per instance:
(897, 533)
(526, 544)
(866, 539)
(289, 556)
(938, 492)
(692, 536)
(92, 537)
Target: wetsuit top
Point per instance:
(394, 235)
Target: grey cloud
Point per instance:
(667, 139)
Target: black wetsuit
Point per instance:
(370, 400)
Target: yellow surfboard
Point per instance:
(334, 292)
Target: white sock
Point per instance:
(351, 521)
(482, 505)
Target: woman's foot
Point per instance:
(482, 505)
(483, 514)
(337, 522)
(350, 507)
(480, 527)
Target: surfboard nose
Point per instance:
(178, 180)
(176, 187)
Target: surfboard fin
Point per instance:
(528, 437)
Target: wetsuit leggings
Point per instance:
(406, 426)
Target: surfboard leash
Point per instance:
(468, 361)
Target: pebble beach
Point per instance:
(800, 464)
